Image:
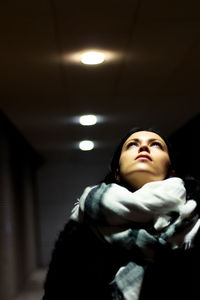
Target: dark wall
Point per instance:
(186, 143)
(60, 184)
(18, 255)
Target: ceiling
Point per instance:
(151, 78)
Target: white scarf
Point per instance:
(112, 211)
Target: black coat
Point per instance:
(82, 267)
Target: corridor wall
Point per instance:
(18, 249)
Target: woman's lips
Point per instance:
(144, 156)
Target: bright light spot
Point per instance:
(86, 145)
(92, 58)
(76, 57)
(88, 120)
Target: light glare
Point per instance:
(92, 58)
(75, 57)
(86, 145)
(88, 120)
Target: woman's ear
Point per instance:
(117, 175)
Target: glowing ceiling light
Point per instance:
(86, 145)
(92, 58)
(88, 120)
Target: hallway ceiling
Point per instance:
(151, 78)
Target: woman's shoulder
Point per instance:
(75, 238)
(72, 234)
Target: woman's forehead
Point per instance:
(145, 135)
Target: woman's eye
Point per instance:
(157, 144)
(132, 144)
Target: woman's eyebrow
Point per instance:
(153, 140)
(135, 139)
(132, 140)
(149, 140)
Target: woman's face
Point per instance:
(144, 158)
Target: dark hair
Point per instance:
(114, 163)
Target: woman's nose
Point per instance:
(144, 148)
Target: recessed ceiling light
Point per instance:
(86, 145)
(77, 57)
(88, 120)
(92, 58)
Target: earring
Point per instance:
(117, 176)
(171, 173)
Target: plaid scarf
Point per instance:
(123, 218)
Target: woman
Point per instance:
(133, 236)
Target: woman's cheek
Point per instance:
(164, 165)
